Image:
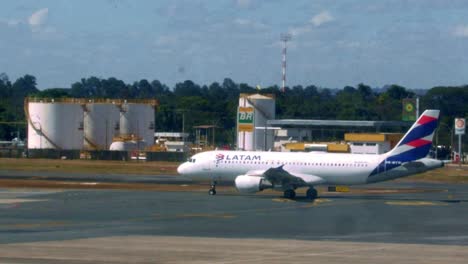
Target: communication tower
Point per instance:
(284, 37)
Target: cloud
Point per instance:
(249, 23)
(13, 22)
(297, 31)
(321, 18)
(39, 17)
(315, 21)
(461, 31)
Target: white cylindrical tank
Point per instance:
(263, 109)
(55, 125)
(101, 124)
(127, 145)
(138, 120)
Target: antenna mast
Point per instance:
(284, 37)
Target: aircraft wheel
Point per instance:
(311, 194)
(289, 194)
(212, 188)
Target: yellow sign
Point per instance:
(342, 188)
(245, 128)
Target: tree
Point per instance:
(23, 86)
(187, 88)
(398, 92)
(5, 86)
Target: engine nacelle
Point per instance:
(251, 184)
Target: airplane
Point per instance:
(256, 171)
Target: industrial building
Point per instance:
(368, 143)
(90, 124)
(253, 113)
(171, 141)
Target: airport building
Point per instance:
(370, 137)
(257, 129)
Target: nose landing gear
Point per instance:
(212, 190)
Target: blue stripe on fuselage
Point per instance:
(395, 161)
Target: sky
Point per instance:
(414, 43)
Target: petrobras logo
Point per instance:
(241, 157)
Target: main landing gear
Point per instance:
(291, 194)
(311, 193)
(212, 190)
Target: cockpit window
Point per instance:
(191, 160)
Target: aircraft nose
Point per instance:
(182, 168)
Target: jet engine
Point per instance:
(251, 184)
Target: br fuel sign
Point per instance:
(245, 119)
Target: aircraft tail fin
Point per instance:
(417, 142)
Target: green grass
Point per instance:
(450, 173)
(90, 166)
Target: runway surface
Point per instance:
(385, 223)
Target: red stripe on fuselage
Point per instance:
(418, 143)
(426, 119)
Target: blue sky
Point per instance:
(414, 43)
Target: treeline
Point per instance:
(188, 104)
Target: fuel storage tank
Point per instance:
(253, 112)
(54, 124)
(137, 120)
(101, 124)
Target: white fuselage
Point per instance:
(334, 168)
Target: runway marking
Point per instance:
(335, 253)
(283, 200)
(320, 201)
(414, 203)
(89, 183)
(36, 225)
(199, 215)
(317, 202)
(14, 201)
(225, 216)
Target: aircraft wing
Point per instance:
(279, 176)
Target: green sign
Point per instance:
(245, 119)
(409, 109)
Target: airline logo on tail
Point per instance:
(414, 145)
